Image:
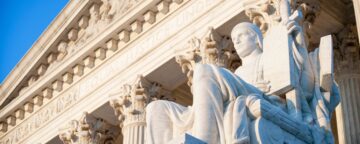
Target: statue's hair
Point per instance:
(253, 28)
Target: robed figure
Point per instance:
(226, 104)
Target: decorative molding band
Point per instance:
(93, 58)
(83, 65)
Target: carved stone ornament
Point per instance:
(129, 104)
(88, 130)
(211, 49)
(268, 13)
(62, 50)
(347, 51)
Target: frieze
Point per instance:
(102, 14)
(52, 110)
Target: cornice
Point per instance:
(39, 48)
(110, 40)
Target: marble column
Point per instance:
(356, 4)
(129, 105)
(347, 70)
(348, 112)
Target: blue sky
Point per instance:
(21, 23)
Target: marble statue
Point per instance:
(227, 105)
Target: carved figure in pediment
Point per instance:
(106, 11)
(62, 50)
(94, 21)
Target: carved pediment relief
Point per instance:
(94, 17)
(62, 64)
(97, 17)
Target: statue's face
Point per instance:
(244, 40)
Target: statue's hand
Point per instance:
(263, 85)
(295, 30)
(292, 27)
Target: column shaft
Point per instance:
(348, 113)
(356, 4)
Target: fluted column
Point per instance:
(129, 105)
(349, 110)
(347, 68)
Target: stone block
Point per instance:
(68, 77)
(47, 93)
(78, 70)
(29, 107)
(3, 127)
(100, 53)
(112, 45)
(150, 17)
(124, 36)
(19, 114)
(163, 7)
(38, 100)
(136, 26)
(11, 120)
(57, 85)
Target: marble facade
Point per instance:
(93, 72)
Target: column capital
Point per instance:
(213, 48)
(130, 102)
(88, 130)
(347, 51)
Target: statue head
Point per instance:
(247, 38)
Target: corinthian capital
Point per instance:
(130, 102)
(347, 51)
(210, 49)
(88, 130)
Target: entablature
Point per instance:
(111, 39)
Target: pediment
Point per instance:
(74, 27)
(83, 37)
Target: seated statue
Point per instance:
(225, 103)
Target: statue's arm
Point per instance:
(296, 32)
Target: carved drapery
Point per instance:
(211, 49)
(129, 105)
(88, 130)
